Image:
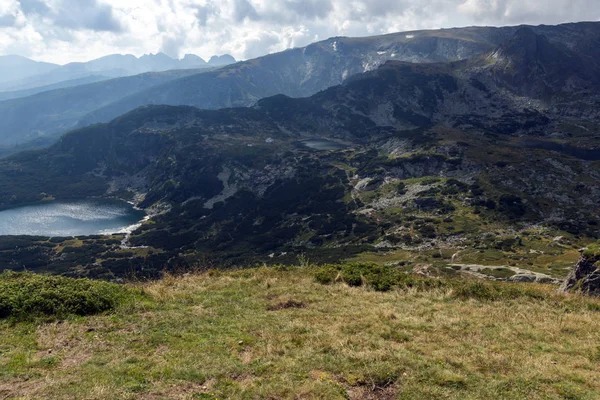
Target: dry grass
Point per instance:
(266, 334)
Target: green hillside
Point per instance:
(280, 334)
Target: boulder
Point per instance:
(585, 277)
(523, 278)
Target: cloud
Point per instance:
(171, 46)
(29, 7)
(242, 10)
(529, 11)
(205, 12)
(73, 14)
(87, 14)
(67, 30)
(7, 20)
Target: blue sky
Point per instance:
(79, 30)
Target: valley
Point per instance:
(413, 215)
(438, 161)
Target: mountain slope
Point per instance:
(14, 68)
(53, 112)
(534, 67)
(302, 72)
(305, 71)
(61, 85)
(297, 72)
(431, 156)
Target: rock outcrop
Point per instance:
(585, 277)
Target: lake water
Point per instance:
(322, 144)
(90, 217)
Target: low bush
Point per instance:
(379, 277)
(28, 296)
(495, 291)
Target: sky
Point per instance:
(63, 31)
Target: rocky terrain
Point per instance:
(439, 164)
(585, 277)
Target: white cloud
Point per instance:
(78, 30)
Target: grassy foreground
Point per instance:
(272, 334)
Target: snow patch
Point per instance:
(369, 66)
(410, 36)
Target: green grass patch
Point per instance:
(502, 273)
(592, 250)
(275, 333)
(492, 291)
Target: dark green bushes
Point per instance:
(379, 277)
(27, 296)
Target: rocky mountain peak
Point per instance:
(535, 67)
(192, 57)
(527, 47)
(218, 61)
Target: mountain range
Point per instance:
(481, 148)
(34, 117)
(406, 216)
(296, 72)
(20, 73)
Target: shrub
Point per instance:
(324, 276)
(379, 277)
(494, 291)
(28, 295)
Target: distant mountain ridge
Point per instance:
(296, 72)
(13, 68)
(60, 85)
(305, 71)
(112, 66)
(53, 112)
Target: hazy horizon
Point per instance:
(115, 54)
